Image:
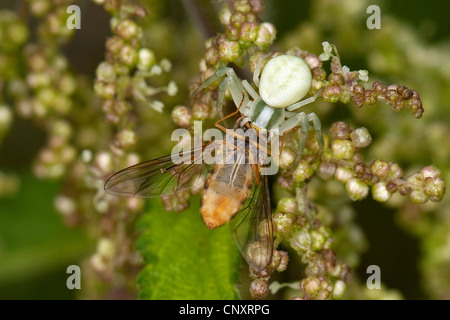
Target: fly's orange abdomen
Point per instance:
(226, 189)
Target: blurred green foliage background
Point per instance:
(36, 246)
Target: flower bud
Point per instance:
(318, 74)
(430, 172)
(233, 33)
(182, 116)
(257, 6)
(343, 174)
(128, 55)
(166, 65)
(282, 223)
(266, 34)
(229, 50)
(212, 56)
(146, 59)
(311, 285)
(380, 168)
(224, 15)
(370, 97)
(283, 261)
(434, 188)
(340, 130)
(249, 31)
(172, 88)
(345, 97)
(313, 61)
(395, 171)
(356, 189)
(316, 267)
(380, 192)
(114, 44)
(242, 6)
(103, 161)
(126, 138)
(40, 7)
(287, 158)
(259, 289)
(105, 90)
(417, 196)
(105, 72)
(127, 29)
(331, 94)
(326, 170)
(342, 149)
(288, 205)
(301, 241)
(339, 289)
(379, 88)
(303, 171)
(360, 138)
(336, 79)
(200, 111)
(105, 248)
(319, 238)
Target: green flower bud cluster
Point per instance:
(400, 97)
(243, 25)
(325, 277)
(54, 159)
(244, 32)
(13, 32)
(52, 84)
(38, 82)
(344, 85)
(53, 15)
(345, 164)
(47, 95)
(409, 59)
(123, 76)
(342, 161)
(122, 81)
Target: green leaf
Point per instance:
(35, 245)
(185, 260)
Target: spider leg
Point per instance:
(250, 90)
(318, 128)
(216, 76)
(231, 82)
(303, 102)
(236, 88)
(299, 119)
(249, 110)
(303, 120)
(258, 68)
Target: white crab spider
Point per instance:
(283, 82)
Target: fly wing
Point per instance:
(159, 177)
(252, 227)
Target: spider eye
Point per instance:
(284, 80)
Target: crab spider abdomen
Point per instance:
(284, 80)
